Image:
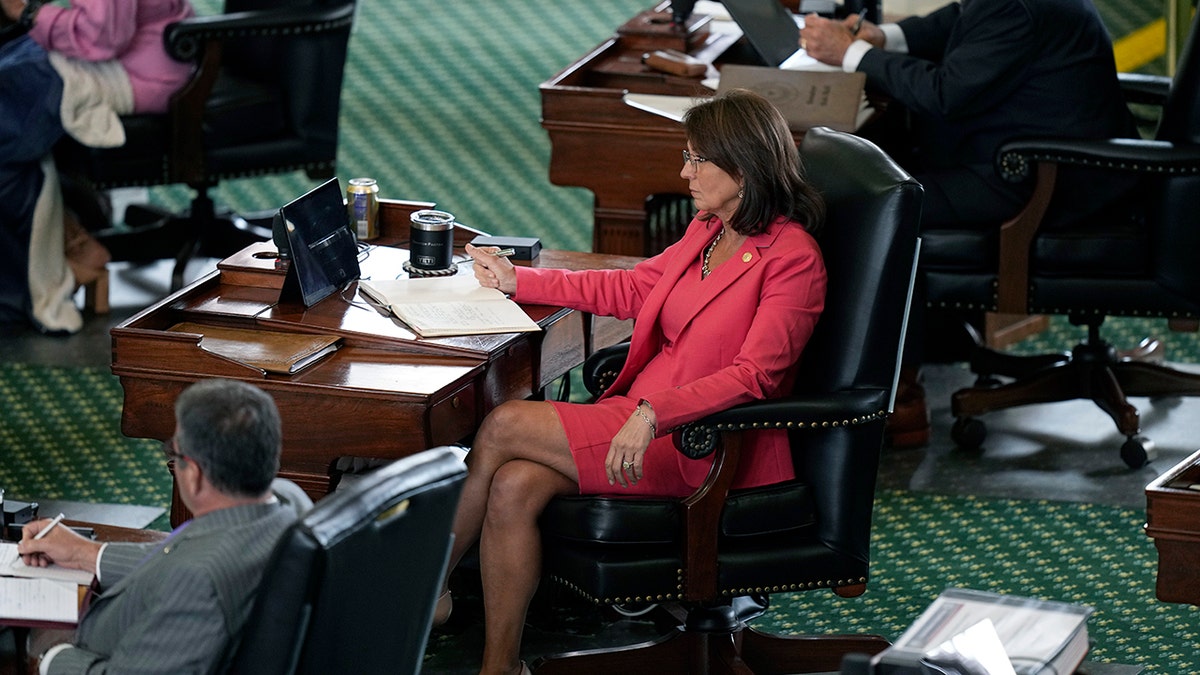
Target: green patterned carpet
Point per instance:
(441, 103)
(59, 430)
(1079, 553)
(60, 438)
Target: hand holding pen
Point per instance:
(492, 268)
(65, 548)
(862, 14)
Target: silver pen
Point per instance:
(45, 530)
(862, 14)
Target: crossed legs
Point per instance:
(518, 463)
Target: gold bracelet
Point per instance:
(644, 416)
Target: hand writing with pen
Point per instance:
(826, 40)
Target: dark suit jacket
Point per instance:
(174, 607)
(986, 71)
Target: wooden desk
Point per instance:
(1172, 510)
(384, 394)
(618, 152)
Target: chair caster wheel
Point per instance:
(1137, 451)
(968, 433)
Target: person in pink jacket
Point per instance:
(721, 318)
(75, 69)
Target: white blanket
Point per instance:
(95, 94)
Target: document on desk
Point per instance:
(39, 600)
(11, 565)
(444, 306)
(807, 92)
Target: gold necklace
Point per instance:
(704, 270)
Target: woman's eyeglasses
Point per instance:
(693, 160)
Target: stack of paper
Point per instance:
(38, 593)
(1039, 637)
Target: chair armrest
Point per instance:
(185, 39)
(1015, 158)
(602, 366)
(1147, 89)
(844, 408)
(702, 510)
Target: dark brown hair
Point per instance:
(746, 136)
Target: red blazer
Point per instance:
(749, 325)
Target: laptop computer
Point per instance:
(315, 230)
(769, 28)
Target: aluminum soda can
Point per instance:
(362, 203)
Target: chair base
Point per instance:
(744, 652)
(1093, 370)
(153, 233)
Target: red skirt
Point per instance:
(590, 428)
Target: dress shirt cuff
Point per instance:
(99, 555)
(894, 38)
(44, 662)
(854, 54)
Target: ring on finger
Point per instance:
(627, 465)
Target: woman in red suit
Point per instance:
(721, 319)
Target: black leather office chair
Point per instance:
(667, 217)
(351, 587)
(715, 557)
(264, 99)
(1137, 259)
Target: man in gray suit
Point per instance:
(177, 606)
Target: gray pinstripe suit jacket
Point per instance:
(173, 607)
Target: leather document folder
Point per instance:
(807, 98)
(271, 351)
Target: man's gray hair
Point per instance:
(232, 430)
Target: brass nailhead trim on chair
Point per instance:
(805, 586)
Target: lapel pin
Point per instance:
(746, 257)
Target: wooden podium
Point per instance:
(386, 393)
(618, 152)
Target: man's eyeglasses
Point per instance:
(171, 452)
(694, 160)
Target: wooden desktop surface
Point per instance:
(386, 393)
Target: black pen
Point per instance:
(862, 14)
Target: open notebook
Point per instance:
(442, 306)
